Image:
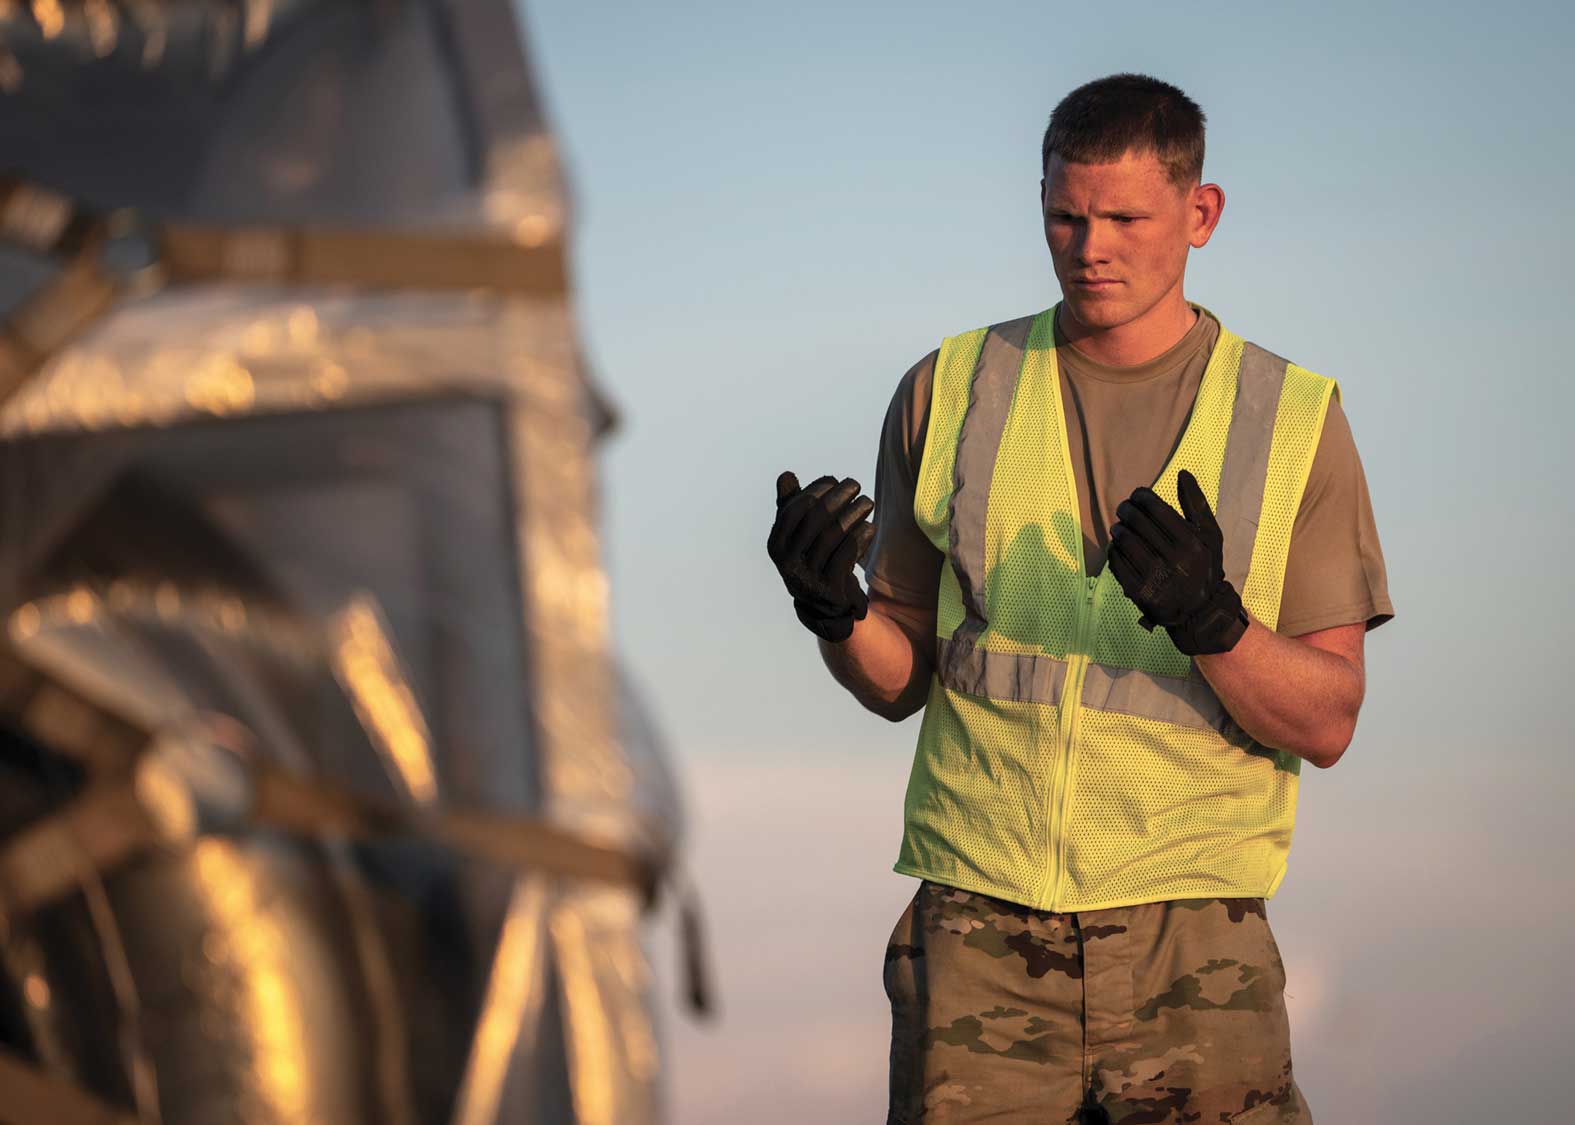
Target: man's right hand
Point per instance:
(820, 532)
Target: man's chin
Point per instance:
(1093, 311)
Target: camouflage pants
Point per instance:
(1184, 1002)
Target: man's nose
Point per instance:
(1089, 248)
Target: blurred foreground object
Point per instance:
(322, 796)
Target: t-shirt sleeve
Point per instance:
(901, 562)
(1334, 571)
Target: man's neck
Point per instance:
(1134, 343)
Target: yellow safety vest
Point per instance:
(1068, 758)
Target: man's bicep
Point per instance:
(1334, 571)
(901, 563)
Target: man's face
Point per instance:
(1125, 224)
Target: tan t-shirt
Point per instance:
(1123, 424)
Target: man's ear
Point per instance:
(1209, 200)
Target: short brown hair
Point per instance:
(1102, 120)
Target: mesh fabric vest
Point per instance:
(1068, 758)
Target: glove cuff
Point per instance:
(834, 629)
(1215, 628)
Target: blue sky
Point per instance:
(781, 207)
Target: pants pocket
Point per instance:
(903, 977)
(901, 949)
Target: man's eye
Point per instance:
(1126, 219)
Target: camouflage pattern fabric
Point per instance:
(1184, 1001)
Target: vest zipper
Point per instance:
(1077, 665)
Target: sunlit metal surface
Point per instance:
(367, 667)
(251, 958)
(512, 1006)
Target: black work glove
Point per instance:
(815, 541)
(1172, 565)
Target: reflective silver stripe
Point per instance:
(1022, 678)
(978, 440)
(1246, 464)
(999, 675)
(1184, 702)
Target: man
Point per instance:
(1117, 702)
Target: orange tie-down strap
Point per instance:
(114, 821)
(143, 793)
(109, 256)
(383, 259)
(50, 223)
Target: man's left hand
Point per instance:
(1172, 565)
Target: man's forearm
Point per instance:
(881, 666)
(1287, 694)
